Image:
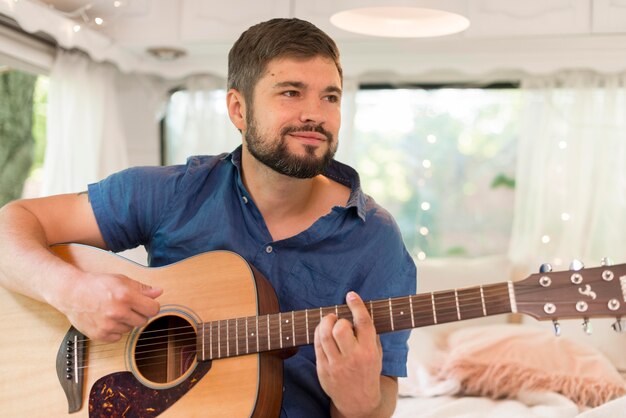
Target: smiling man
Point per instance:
(280, 200)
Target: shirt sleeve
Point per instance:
(129, 205)
(393, 274)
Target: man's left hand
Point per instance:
(349, 360)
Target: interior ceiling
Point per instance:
(193, 24)
(562, 32)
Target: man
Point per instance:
(279, 200)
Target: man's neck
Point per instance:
(289, 205)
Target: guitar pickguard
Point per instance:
(123, 395)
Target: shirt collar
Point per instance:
(339, 172)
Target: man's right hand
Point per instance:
(105, 306)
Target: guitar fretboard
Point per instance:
(255, 334)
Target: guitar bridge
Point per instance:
(70, 365)
(622, 281)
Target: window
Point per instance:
(23, 99)
(442, 161)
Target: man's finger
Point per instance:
(363, 326)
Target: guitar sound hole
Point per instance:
(165, 349)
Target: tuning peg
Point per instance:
(557, 328)
(606, 261)
(587, 326)
(576, 265)
(545, 268)
(619, 325)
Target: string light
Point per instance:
(98, 21)
(545, 239)
(425, 206)
(76, 28)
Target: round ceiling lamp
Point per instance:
(400, 22)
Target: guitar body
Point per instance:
(208, 287)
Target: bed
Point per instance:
(508, 366)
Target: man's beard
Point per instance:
(276, 155)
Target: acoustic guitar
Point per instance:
(214, 348)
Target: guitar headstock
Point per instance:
(580, 293)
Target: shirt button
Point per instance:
(268, 249)
(245, 200)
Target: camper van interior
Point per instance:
(499, 148)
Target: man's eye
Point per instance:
(332, 98)
(290, 93)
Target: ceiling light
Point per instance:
(98, 21)
(166, 53)
(400, 22)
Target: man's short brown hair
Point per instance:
(276, 38)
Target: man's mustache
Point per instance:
(307, 128)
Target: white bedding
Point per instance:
(527, 405)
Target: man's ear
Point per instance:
(236, 109)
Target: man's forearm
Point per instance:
(24, 255)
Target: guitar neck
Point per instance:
(254, 334)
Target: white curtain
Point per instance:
(571, 171)
(197, 121)
(85, 138)
(346, 152)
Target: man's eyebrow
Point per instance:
(333, 89)
(301, 85)
(296, 84)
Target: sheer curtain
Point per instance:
(571, 171)
(346, 152)
(197, 121)
(85, 138)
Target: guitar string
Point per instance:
(442, 308)
(381, 304)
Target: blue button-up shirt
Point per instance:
(180, 211)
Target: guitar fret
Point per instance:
(219, 339)
(247, 346)
(203, 342)
(236, 336)
(512, 296)
(432, 298)
(293, 329)
(269, 344)
(456, 299)
(411, 309)
(306, 320)
(482, 299)
(257, 334)
(227, 338)
(280, 329)
(391, 315)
